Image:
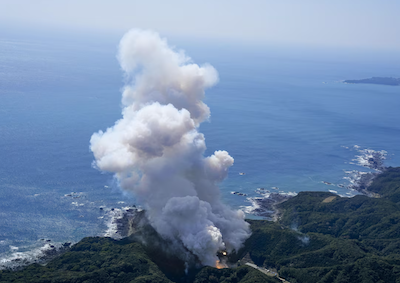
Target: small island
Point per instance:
(376, 80)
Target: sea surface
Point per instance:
(283, 113)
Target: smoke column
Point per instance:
(157, 153)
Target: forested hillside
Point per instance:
(320, 237)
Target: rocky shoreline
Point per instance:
(123, 222)
(359, 181)
(19, 260)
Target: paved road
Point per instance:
(266, 271)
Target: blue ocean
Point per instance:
(283, 113)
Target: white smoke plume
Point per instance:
(157, 153)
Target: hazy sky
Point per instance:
(354, 23)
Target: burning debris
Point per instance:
(221, 254)
(222, 259)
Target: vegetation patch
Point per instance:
(319, 238)
(342, 240)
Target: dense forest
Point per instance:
(96, 259)
(319, 237)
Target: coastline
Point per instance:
(335, 230)
(121, 222)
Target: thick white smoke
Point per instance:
(156, 151)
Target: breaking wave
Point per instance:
(41, 254)
(357, 181)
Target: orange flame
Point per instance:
(219, 264)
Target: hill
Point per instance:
(97, 259)
(320, 237)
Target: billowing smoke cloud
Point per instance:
(157, 153)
